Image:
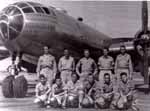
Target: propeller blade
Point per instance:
(144, 16)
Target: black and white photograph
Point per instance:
(74, 55)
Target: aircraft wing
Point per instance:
(128, 42)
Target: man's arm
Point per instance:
(38, 66)
(116, 65)
(73, 65)
(112, 63)
(99, 62)
(78, 67)
(95, 68)
(36, 91)
(49, 90)
(59, 65)
(54, 67)
(130, 67)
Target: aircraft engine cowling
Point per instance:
(11, 23)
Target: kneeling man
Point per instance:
(58, 96)
(42, 91)
(124, 98)
(104, 93)
(74, 89)
(85, 97)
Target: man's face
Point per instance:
(74, 78)
(43, 80)
(122, 50)
(86, 84)
(124, 78)
(107, 79)
(66, 53)
(105, 51)
(45, 50)
(58, 82)
(90, 79)
(86, 53)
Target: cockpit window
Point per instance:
(28, 10)
(46, 10)
(39, 9)
(21, 5)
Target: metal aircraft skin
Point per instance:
(25, 27)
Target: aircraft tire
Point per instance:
(20, 86)
(7, 86)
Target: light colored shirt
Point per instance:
(124, 62)
(86, 65)
(66, 64)
(73, 87)
(107, 88)
(125, 88)
(41, 89)
(47, 60)
(105, 62)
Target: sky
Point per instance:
(113, 18)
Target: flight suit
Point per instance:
(123, 64)
(47, 67)
(66, 67)
(105, 66)
(87, 66)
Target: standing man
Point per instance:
(47, 66)
(66, 66)
(123, 63)
(86, 66)
(105, 64)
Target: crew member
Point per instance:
(47, 66)
(105, 64)
(104, 93)
(74, 88)
(123, 99)
(66, 66)
(42, 91)
(87, 101)
(59, 94)
(86, 66)
(123, 63)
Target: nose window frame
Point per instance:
(27, 10)
(39, 9)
